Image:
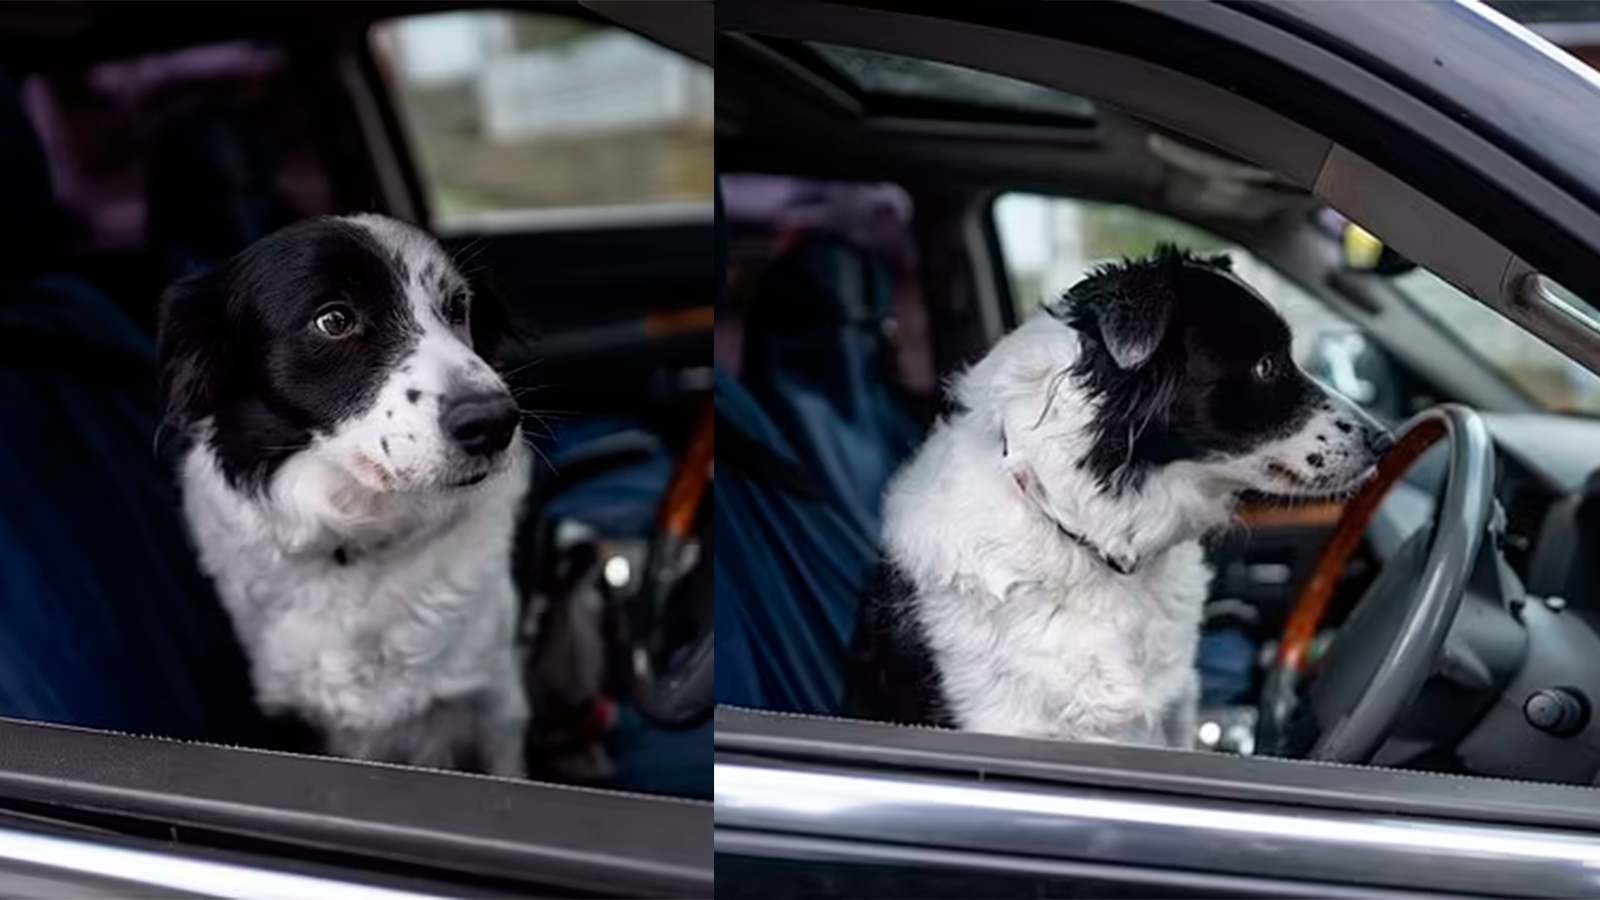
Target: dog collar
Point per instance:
(1119, 564)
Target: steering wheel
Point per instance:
(1386, 648)
(675, 690)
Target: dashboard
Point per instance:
(1544, 463)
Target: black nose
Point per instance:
(1379, 441)
(480, 424)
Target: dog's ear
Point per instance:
(195, 341)
(1129, 305)
(492, 322)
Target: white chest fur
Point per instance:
(360, 627)
(1032, 633)
(1109, 657)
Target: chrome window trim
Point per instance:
(71, 861)
(753, 845)
(1158, 831)
(459, 827)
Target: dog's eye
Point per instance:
(455, 309)
(1266, 368)
(335, 321)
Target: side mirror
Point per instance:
(1363, 251)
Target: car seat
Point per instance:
(818, 361)
(791, 559)
(600, 483)
(210, 191)
(789, 569)
(105, 620)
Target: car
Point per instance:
(1396, 689)
(563, 148)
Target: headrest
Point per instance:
(28, 223)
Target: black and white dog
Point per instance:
(352, 482)
(1044, 575)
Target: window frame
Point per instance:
(362, 821)
(1217, 72)
(353, 825)
(1014, 805)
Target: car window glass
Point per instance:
(517, 113)
(1542, 372)
(1049, 243)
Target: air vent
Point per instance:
(1525, 515)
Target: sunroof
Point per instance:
(907, 77)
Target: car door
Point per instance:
(87, 812)
(1371, 124)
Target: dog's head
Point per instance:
(352, 346)
(1183, 362)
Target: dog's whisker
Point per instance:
(541, 431)
(1050, 394)
(474, 247)
(522, 368)
(532, 445)
(536, 431)
(477, 251)
(553, 413)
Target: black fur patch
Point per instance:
(238, 343)
(891, 675)
(489, 317)
(1170, 348)
(289, 732)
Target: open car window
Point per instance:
(137, 756)
(1242, 82)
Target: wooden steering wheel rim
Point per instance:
(1311, 607)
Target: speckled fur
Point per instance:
(375, 601)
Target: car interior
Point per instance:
(898, 194)
(141, 144)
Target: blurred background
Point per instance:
(516, 111)
(565, 155)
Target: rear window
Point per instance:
(517, 116)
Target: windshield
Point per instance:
(1549, 378)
